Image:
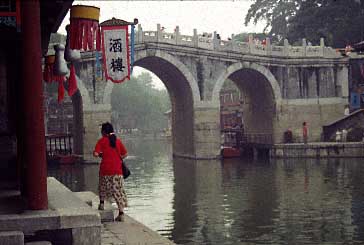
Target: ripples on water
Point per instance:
(295, 201)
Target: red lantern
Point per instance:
(84, 28)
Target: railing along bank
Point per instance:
(250, 47)
(59, 144)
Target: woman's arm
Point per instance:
(122, 150)
(98, 150)
(123, 156)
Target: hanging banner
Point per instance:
(115, 53)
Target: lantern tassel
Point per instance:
(60, 80)
(72, 82)
(84, 34)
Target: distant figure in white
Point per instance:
(338, 135)
(344, 135)
(346, 111)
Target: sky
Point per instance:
(224, 17)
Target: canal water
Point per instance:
(290, 201)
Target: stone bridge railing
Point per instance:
(212, 42)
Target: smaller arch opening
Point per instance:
(247, 109)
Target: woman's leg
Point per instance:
(102, 192)
(119, 195)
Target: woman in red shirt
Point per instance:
(304, 132)
(111, 182)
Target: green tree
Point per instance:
(339, 21)
(275, 13)
(244, 36)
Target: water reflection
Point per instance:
(287, 201)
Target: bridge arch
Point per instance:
(260, 93)
(80, 101)
(141, 55)
(86, 101)
(247, 65)
(183, 92)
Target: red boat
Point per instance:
(230, 152)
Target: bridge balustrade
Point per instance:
(213, 43)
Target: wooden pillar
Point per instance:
(32, 90)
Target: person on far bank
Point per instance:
(304, 132)
(346, 111)
(111, 182)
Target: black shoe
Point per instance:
(120, 217)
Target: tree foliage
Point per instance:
(244, 36)
(137, 104)
(340, 22)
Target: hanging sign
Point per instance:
(115, 53)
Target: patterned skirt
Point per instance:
(113, 186)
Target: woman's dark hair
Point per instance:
(107, 128)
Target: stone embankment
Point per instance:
(71, 218)
(318, 150)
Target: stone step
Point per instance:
(11, 238)
(93, 200)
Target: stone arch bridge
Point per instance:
(282, 86)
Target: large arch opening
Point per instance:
(181, 94)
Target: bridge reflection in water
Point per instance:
(238, 201)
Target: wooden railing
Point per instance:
(236, 138)
(59, 144)
(266, 139)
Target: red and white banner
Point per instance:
(115, 53)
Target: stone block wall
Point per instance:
(207, 132)
(291, 114)
(93, 118)
(310, 81)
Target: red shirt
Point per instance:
(110, 163)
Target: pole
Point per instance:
(34, 133)
(132, 37)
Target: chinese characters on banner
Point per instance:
(115, 51)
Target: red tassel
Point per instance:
(98, 39)
(83, 34)
(60, 80)
(72, 82)
(85, 30)
(46, 75)
(90, 40)
(79, 36)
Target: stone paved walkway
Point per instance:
(130, 232)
